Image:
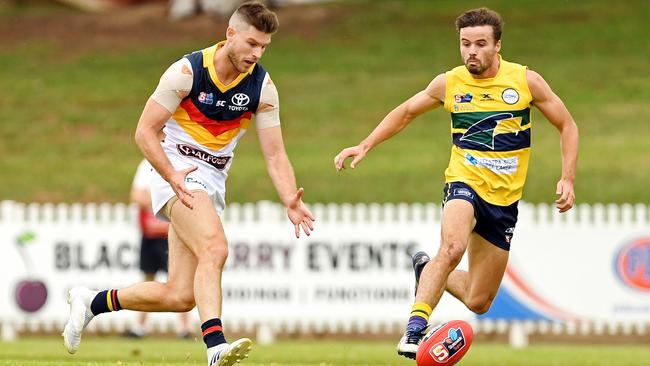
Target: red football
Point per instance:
(445, 344)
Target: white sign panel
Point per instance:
(353, 271)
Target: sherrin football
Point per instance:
(445, 344)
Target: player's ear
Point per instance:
(230, 33)
(498, 45)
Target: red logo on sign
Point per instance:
(632, 264)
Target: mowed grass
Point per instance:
(96, 351)
(68, 117)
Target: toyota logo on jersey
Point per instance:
(240, 99)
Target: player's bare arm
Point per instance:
(395, 121)
(282, 175)
(267, 120)
(173, 87)
(557, 114)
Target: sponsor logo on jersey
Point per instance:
(206, 98)
(240, 99)
(218, 162)
(464, 108)
(498, 166)
(510, 96)
(463, 98)
(486, 97)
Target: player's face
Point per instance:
(478, 49)
(247, 47)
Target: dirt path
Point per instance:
(127, 27)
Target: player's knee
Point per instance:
(451, 253)
(185, 305)
(479, 304)
(216, 255)
(182, 301)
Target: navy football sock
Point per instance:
(213, 332)
(104, 302)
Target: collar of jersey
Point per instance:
(208, 62)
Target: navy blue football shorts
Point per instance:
(153, 255)
(495, 224)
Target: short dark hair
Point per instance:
(479, 17)
(259, 16)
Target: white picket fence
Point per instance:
(353, 273)
(582, 214)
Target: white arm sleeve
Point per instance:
(174, 85)
(268, 114)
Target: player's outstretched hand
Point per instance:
(357, 153)
(567, 195)
(299, 214)
(177, 182)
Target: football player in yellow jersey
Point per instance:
(205, 101)
(489, 100)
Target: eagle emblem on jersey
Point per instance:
(484, 131)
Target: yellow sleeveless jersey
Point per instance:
(490, 128)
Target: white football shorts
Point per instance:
(210, 176)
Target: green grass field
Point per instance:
(114, 351)
(71, 103)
